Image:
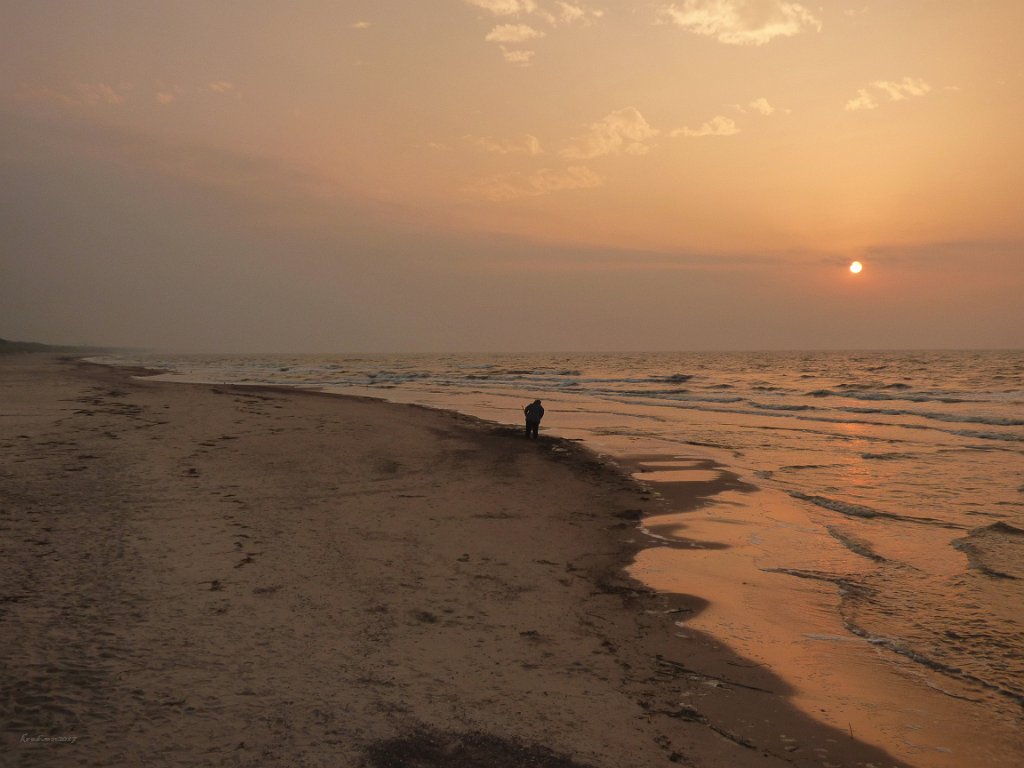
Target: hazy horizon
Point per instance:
(512, 175)
(526, 352)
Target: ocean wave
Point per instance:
(988, 435)
(853, 593)
(995, 550)
(681, 395)
(857, 385)
(855, 544)
(912, 397)
(515, 373)
(789, 467)
(900, 647)
(781, 406)
(868, 513)
(962, 418)
(651, 392)
(832, 578)
(394, 377)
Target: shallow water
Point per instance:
(906, 471)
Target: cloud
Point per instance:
(863, 100)
(517, 55)
(530, 145)
(907, 87)
(716, 126)
(505, 7)
(98, 93)
(559, 13)
(570, 13)
(513, 33)
(545, 181)
(77, 95)
(562, 12)
(901, 90)
(361, 25)
(742, 22)
(221, 86)
(166, 97)
(622, 131)
(761, 106)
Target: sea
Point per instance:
(889, 487)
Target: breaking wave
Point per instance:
(858, 510)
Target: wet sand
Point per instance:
(219, 575)
(726, 538)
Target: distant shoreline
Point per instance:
(16, 347)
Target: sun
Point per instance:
(856, 267)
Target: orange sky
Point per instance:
(512, 174)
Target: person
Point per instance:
(534, 413)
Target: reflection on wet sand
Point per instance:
(777, 582)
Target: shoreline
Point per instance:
(725, 542)
(787, 612)
(469, 608)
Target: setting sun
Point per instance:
(856, 267)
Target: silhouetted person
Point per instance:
(534, 413)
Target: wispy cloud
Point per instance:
(622, 131)
(361, 25)
(863, 100)
(221, 86)
(552, 15)
(545, 181)
(759, 106)
(504, 7)
(716, 126)
(77, 95)
(742, 22)
(513, 33)
(891, 90)
(517, 55)
(530, 145)
(97, 93)
(904, 89)
(166, 97)
(571, 13)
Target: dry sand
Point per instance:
(203, 575)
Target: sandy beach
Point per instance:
(223, 575)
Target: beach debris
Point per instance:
(712, 680)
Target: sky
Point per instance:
(512, 175)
